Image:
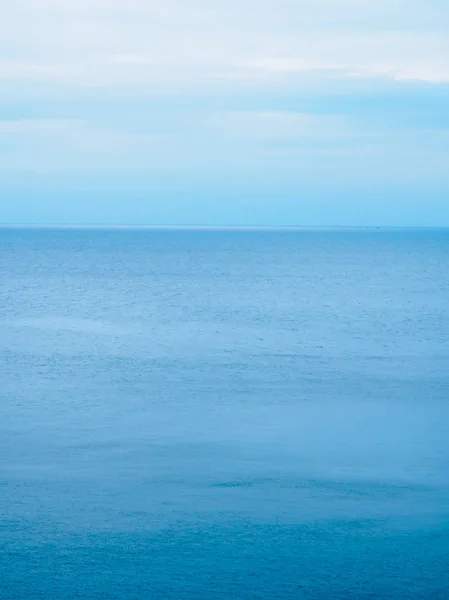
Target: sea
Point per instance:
(224, 414)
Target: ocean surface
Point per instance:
(224, 414)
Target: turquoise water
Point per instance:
(224, 414)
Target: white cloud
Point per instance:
(37, 126)
(144, 42)
(64, 145)
(230, 144)
(273, 126)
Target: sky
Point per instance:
(225, 112)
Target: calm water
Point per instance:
(224, 414)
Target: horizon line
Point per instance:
(133, 226)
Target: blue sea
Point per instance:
(197, 414)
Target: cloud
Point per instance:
(254, 94)
(217, 145)
(38, 127)
(142, 43)
(79, 146)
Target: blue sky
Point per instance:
(239, 112)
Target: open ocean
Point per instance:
(224, 414)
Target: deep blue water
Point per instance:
(224, 414)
